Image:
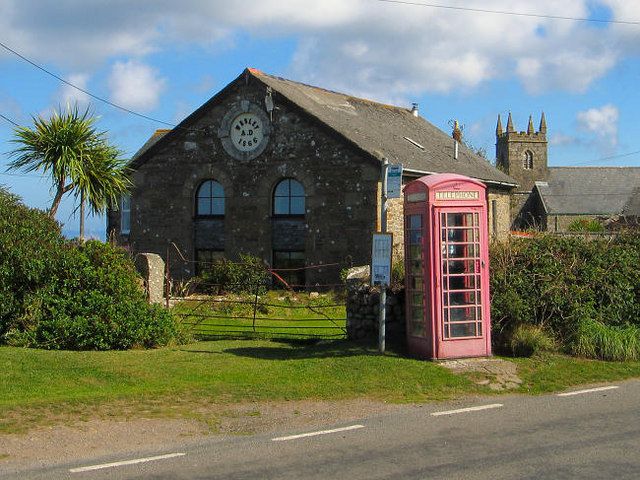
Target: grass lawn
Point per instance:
(275, 314)
(39, 387)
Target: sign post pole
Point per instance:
(382, 311)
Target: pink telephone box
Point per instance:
(446, 267)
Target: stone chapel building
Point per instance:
(552, 198)
(288, 172)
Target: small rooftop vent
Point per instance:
(414, 109)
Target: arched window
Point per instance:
(288, 198)
(210, 199)
(527, 162)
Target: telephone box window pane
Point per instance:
(461, 282)
(459, 219)
(462, 330)
(462, 314)
(417, 329)
(479, 329)
(415, 252)
(462, 266)
(415, 237)
(460, 234)
(416, 266)
(415, 221)
(416, 314)
(416, 299)
(462, 298)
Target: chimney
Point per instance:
(457, 138)
(414, 109)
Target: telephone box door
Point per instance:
(461, 283)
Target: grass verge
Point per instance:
(40, 387)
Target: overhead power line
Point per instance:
(9, 120)
(515, 14)
(604, 159)
(86, 92)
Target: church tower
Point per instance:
(523, 156)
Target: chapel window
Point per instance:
(288, 198)
(527, 162)
(125, 215)
(210, 199)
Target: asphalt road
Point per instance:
(590, 435)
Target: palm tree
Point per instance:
(78, 158)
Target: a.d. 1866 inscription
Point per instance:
(246, 132)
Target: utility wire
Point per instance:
(86, 92)
(9, 120)
(515, 14)
(603, 159)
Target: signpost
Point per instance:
(394, 181)
(382, 244)
(381, 259)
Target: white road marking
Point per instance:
(589, 390)
(313, 434)
(125, 462)
(468, 409)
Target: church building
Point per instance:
(553, 198)
(290, 173)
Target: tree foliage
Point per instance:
(78, 158)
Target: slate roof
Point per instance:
(377, 129)
(591, 191)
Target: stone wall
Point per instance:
(340, 187)
(363, 306)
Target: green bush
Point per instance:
(558, 282)
(59, 295)
(28, 242)
(529, 339)
(249, 275)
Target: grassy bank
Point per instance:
(39, 387)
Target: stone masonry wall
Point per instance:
(363, 305)
(340, 186)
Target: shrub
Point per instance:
(29, 240)
(558, 282)
(59, 295)
(529, 339)
(96, 302)
(249, 275)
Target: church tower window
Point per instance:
(527, 162)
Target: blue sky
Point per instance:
(164, 58)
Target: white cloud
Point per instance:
(135, 85)
(69, 96)
(382, 50)
(601, 123)
(560, 139)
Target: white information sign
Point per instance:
(381, 259)
(394, 181)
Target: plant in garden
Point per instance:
(58, 294)
(76, 156)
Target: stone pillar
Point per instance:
(151, 267)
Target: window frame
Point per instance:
(211, 198)
(527, 161)
(289, 197)
(125, 214)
